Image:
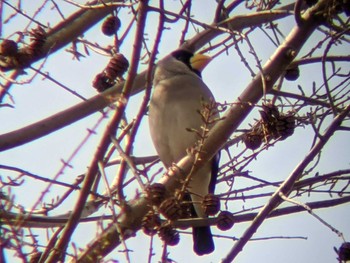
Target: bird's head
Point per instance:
(182, 62)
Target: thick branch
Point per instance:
(50, 222)
(100, 101)
(285, 188)
(64, 32)
(217, 136)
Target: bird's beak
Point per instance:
(199, 61)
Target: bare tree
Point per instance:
(296, 57)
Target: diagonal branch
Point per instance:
(105, 141)
(286, 187)
(130, 220)
(66, 31)
(100, 101)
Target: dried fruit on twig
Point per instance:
(101, 82)
(285, 126)
(8, 48)
(292, 73)
(117, 66)
(171, 209)
(169, 235)
(211, 204)
(275, 124)
(225, 221)
(111, 25)
(150, 223)
(38, 38)
(253, 140)
(155, 193)
(344, 251)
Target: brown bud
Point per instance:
(150, 223)
(285, 125)
(111, 25)
(101, 82)
(117, 66)
(155, 193)
(8, 48)
(169, 235)
(38, 38)
(171, 209)
(271, 110)
(291, 53)
(225, 221)
(253, 140)
(292, 74)
(269, 117)
(211, 204)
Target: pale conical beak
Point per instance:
(199, 61)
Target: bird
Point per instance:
(178, 95)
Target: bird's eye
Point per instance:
(183, 56)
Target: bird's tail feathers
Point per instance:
(202, 240)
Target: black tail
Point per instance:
(202, 240)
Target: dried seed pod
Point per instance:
(155, 193)
(38, 34)
(285, 126)
(211, 204)
(117, 66)
(111, 25)
(8, 48)
(271, 110)
(101, 82)
(38, 38)
(269, 117)
(253, 140)
(168, 234)
(150, 223)
(344, 251)
(225, 221)
(171, 209)
(292, 74)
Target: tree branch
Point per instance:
(59, 120)
(285, 188)
(218, 135)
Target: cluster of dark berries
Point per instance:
(272, 125)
